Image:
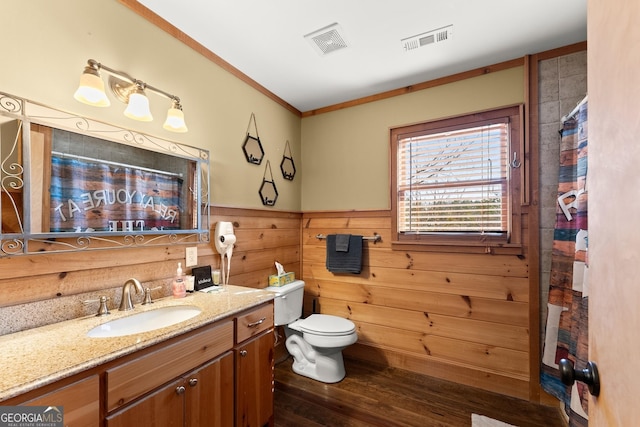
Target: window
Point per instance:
(456, 181)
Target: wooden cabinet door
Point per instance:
(254, 381)
(203, 397)
(162, 408)
(209, 396)
(81, 402)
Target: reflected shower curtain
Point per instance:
(94, 196)
(566, 328)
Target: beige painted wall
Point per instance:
(343, 163)
(345, 154)
(46, 44)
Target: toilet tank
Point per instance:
(287, 302)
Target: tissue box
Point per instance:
(281, 279)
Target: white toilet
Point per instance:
(316, 342)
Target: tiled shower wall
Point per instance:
(563, 84)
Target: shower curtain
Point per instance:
(566, 327)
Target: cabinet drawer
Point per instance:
(132, 379)
(253, 322)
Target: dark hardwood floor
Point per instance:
(388, 397)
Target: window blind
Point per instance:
(454, 180)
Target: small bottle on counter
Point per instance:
(189, 282)
(178, 287)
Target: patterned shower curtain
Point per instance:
(567, 319)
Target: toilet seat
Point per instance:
(326, 325)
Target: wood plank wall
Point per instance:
(460, 317)
(263, 237)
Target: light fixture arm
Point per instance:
(139, 83)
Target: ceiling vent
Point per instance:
(327, 39)
(434, 36)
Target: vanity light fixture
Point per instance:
(128, 90)
(138, 106)
(175, 118)
(91, 89)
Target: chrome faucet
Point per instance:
(126, 303)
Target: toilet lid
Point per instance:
(326, 324)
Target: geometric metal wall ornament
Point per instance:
(252, 147)
(268, 191)
(287, 166)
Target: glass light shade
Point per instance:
(91, 90)
(175, 121)
(138, 108)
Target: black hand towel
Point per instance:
(344, 262)
(342, 242)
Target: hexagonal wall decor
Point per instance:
(253, 151)
(252, 147)
(287, 166)
(268, 191)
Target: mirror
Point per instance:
(268, 193)
(252, 149)
(288, 168)
(72, 183)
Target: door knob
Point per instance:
(180, 390)
(588, 375)
(243, 353)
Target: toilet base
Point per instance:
(326, 366)
(332, 372)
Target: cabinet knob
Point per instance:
(243, 353)
(180, 390)
(193, 382)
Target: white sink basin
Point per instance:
(145, 321)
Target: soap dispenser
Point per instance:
(178, 287)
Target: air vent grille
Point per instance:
(430, 37)
(327, 39)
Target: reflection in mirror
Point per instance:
(99, 185)
(71, 183)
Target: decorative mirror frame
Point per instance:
(29, 242)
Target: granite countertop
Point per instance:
(36, 357)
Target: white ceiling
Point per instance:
(264, 39)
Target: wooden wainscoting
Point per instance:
(455, 316)
(460, 317)
(263, 238)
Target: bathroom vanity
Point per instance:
(215, 369)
